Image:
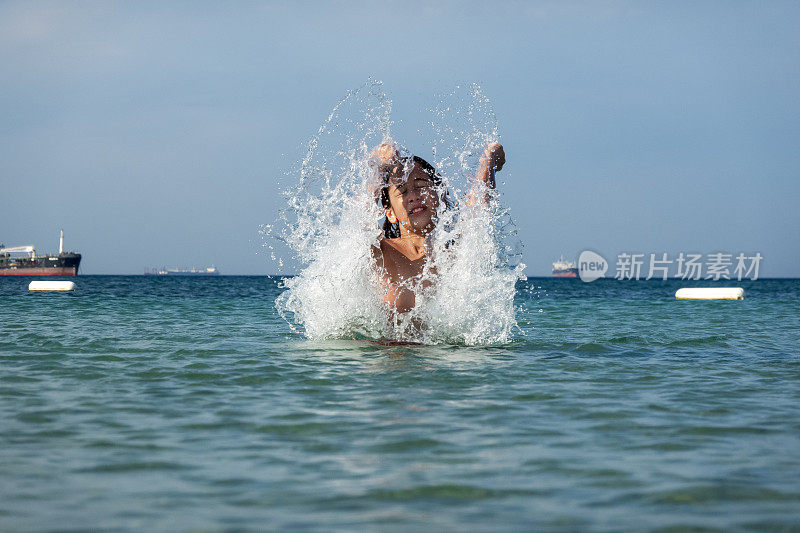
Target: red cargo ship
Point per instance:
(565, 269)
(23, 261)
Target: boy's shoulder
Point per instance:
(386, 251)
(387, 244)
(378, 250)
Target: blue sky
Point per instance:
(154, 133)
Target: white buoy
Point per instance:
(710, 293)
(51, 286)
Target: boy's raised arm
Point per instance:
(491, 161)
(384, 158)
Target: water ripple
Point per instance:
(162, 404)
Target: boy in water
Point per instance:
(409, 195)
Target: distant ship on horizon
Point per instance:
(164, 271)
(565, 269)
(23, 261)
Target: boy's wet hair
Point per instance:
(392, 231)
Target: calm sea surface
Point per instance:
(145, 403)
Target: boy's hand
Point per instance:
(385, 158)
(491, 161)
(385, 152)
(494, 156)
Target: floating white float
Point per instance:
(51, 286)
(710, 293)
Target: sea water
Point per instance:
(174, 404)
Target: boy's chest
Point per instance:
(405, 267)
(405, 278)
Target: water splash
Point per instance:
(466, 291)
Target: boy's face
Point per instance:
(414, 202)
